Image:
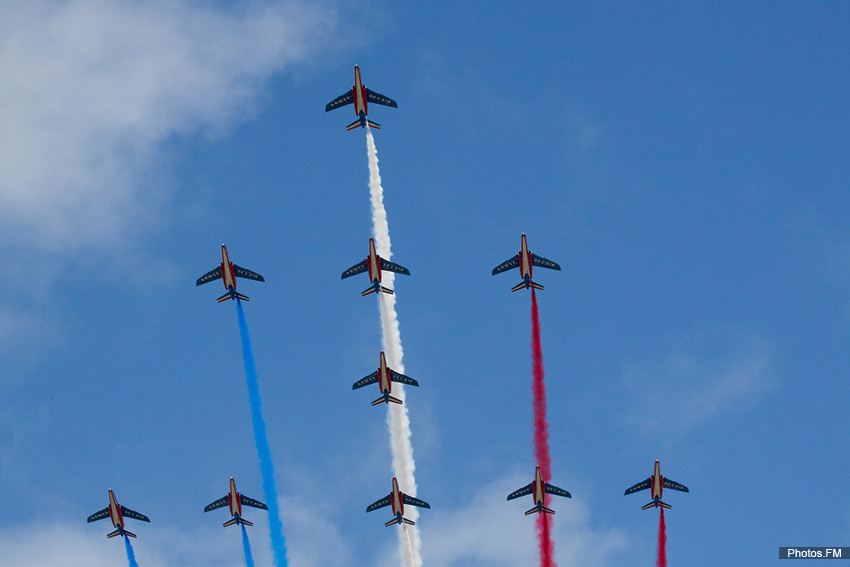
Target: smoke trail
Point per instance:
(131, 556)
(397, 417)
(541, 434)
(662, 542)
(262, 442)
(246, 547)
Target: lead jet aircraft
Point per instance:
(116, 513)
(228, 272)
(234, 501)
(385, 376)
(397, 499)
(657, 483)
(537, 488)
(374, 264)
(525, 260)
(360, 96)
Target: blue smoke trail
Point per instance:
(131, 557)
(262, 442)
(246, 547)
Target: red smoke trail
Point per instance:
(541, 434)
(662, 542)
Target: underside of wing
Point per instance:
(673, 485)
(341, 100)
(247, 274)
(643, 485)
(556, 491)
(507, 265)
(220, 503)
(544, 263)
(376, 98)
(410, 500)
(379, 504)
(524, 491)
(246, 501)
(355, 269)
(133, 514)
(366, 380)
(210, 276)
(402, 379)
(99, 515)
(390, 267)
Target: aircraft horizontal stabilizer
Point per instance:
(374, 125)
(540, 509)
(391, 522)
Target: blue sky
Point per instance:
(685, 164)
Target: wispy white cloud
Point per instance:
(487, 530)
(687, 388)
(90, 88)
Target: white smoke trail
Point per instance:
(397, 417)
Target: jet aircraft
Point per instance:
(537, 488)
(360, 96)
(656, 483)
(228, 272)
(234, 501)
(397, 499)
(116, 513)
(385, 376)
(374, 264)
(525, 261)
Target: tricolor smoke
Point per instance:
(246, 547)
(262, 442)
(662, 541)
(131, 556)
(541, 434)
(397, 417)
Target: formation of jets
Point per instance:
(384, 376)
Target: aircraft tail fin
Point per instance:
(373, 289)
(232, 294)
(540, 508)
(387, 399)
(655, 504)
(121, 532)
(355, 124)
(525, 285)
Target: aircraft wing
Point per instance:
(379, 504)
(376, 98)
(356, 269)
(220, 503)
(341, 100)
(544, 263)
(99, 515)
(247, 274)
(366, 380)
(507, 265)
(210, 276)
(410, 500)
(525, 490)
(642, 485)
(390, 267)
(673, 485)
(402, 379)
(556, 491)
(135, 515)
(253, 503)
